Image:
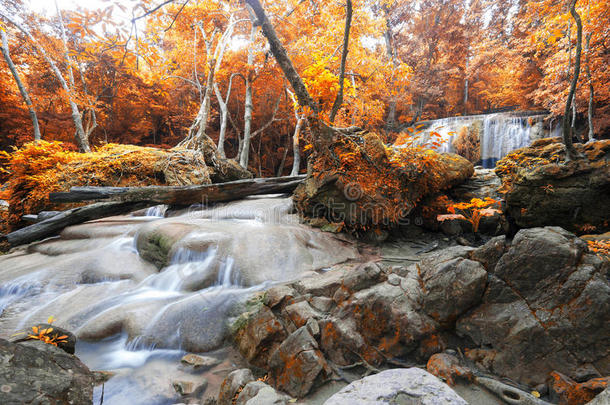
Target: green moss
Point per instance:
(252, 306)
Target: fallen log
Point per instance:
(121, 200)
(55, 224)
(182, 195)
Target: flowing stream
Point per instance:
(499, 133)
(141, 291)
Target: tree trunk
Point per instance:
(339, 98)
(567, 129)
(280, 55)
(591, 89)
(296, 163)
(81, 139)
(55, 224)
(248, 106)
(466, 88)
(181, 195)
(24, 92)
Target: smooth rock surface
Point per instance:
(39, 373)
(411, 386)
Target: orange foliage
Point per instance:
(43, 167)
(600, 247)
(471, 212)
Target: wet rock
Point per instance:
(563, 194)
(232, 385)
(190, 388)
(35, 372)
(451, 286)
(258, 334)
(248, 247)
(408, 385)
(448, 368)
(565, 391)
(601, 399)
(197, 361)
(259, 393)
(298, 365)
(546, 307)
(490, 253)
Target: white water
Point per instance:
(137, 320)
(501, 133)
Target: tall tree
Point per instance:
(22, 89)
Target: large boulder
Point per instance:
(362, 184)
(542, 189)
(546, 307)
(35, 372)
(397, 386)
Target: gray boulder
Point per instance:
(35, 372)
(411, 386)
(546, 307)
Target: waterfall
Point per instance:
(499, 133)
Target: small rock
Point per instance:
(297, 365)
(300, 312)
(232, 384)
(448, 368)
(198, 361)
(565, 391)
(394, 279)
(322, 304)
(259, 393)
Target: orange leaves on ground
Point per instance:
(600, 247)
(471, 211)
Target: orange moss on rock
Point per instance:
(572, 393)
(364, 184)
(39, 168)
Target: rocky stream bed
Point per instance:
(242, 303)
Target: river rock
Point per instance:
(244, 250)
(298, 365)
(565, 391)
(449, 368)
(402, 385)
(197, 361)
(42, 373)
(601, 399)
(546, 307)
(572, 195)
(259, 393)
(232, 384)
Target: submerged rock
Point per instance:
(401, 385)
(35, 372)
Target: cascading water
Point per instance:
(499, 133)
(137, 319)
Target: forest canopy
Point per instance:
(158, 73)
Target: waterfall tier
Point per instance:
(498, 134)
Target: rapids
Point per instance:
(141, 291)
